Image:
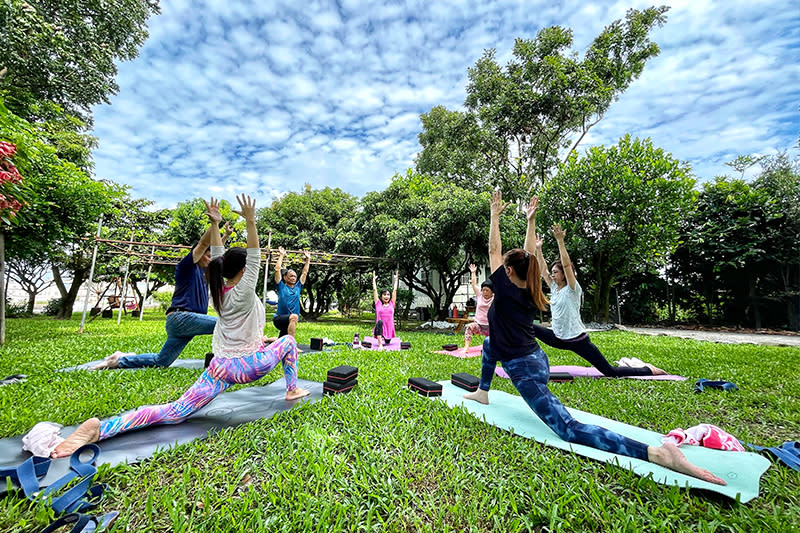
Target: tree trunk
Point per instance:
(753, 297)
(68, 296)
(31, 302)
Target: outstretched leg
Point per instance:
(488, 364)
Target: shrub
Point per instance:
(52, 307)
(164, 298)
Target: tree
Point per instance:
(31, 276)
(518, 119)
(63, 52)
(311, 221)
(622, 207)
(433, 230)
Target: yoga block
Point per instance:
(405, 345)
(560, 376)
(108, 313)
(316, 344)
(335, 387)
(342, 374)
(465, 381)
(209, 357)
(366, 344)
(450, 347)
(425, 387)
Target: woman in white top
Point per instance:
(568, 331)
(240, 353)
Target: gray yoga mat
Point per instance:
(229, 409)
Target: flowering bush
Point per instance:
(9, 179)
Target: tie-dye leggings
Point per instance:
(220, 374)
(475, 329)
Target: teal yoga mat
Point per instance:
(741, 470)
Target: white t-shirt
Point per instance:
(240, 327)
(565, 306)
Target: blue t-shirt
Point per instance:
(511, 319)
(288, 299)
(191, 287)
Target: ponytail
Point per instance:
(526, 267)
(224, 267)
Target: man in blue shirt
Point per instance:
(187, 315)
(288, 288)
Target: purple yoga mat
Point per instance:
(592, 372)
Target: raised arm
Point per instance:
(212, 212)
(495, 243)
(304, 274)
(474, 279)
(530, 233)
(394, 288)
(247, 210)
(569, 271)
(375, 295)
(542, 263)
(279, 263)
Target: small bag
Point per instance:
(425, 387)
(366, 344)
(465, 381)
(450, 347)
(335, 387)
(342, 374)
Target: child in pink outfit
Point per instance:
(384, 310)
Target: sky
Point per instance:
(263, 97)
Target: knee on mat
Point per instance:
(293, 318)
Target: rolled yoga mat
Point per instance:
(592, 372)
(229, 409)
(741, 470)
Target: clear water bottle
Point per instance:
(356, 341)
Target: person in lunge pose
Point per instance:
(187, 315)
(483, 301)
(288, 288)
(240, 353)
(517, 295)
(384, 310)
(568, 331)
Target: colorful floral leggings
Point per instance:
(475, 329)
(220, 374)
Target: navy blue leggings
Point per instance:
(585, 348)
(530, 374)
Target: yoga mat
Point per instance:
(229, 409)
(393, 345)
(741, 470)
(473, 351)
(178, 363)
(592, 372)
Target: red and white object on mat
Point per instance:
(707, 435)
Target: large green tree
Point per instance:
(622, 207)
(518, 119)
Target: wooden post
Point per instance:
(91, 274)
(147, 282)
(125, 282)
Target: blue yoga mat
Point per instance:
(741, 470)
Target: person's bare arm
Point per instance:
(375, 296)
(394, 289)
(474, 279)
(530, 234)
(212, 212)
(495, 243)
(569, 270)
(247, 210)
(279, 263)
(306, 266)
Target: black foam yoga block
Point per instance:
(335, 387)
(405, 345)
(560, 376)
(209, 357)
(465, 381)
(366, 344)
(342, 373)
(316, 344)
(425, 387)
(450, 347)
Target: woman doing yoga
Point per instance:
(518, 294)
(483, 301)
(568, 331)
(384, 310)
(238, 343)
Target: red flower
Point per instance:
(7, 149)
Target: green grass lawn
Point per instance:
(384, 459)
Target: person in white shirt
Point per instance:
(568, 331)
(240, 352)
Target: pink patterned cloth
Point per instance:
(707, 435)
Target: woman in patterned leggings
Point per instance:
(517, 295)
(241, 355)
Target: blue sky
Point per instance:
(263, 97)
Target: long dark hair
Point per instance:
(224, 267)
(526, 267)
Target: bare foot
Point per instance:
(480, 396)
(655, 370)
(669, 456)
(465, 350)
(109, 362)
(86, 433)
(296, 393)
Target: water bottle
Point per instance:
(356, 341)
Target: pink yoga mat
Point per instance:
(592, 372)
(394, 344)
(474, 351)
